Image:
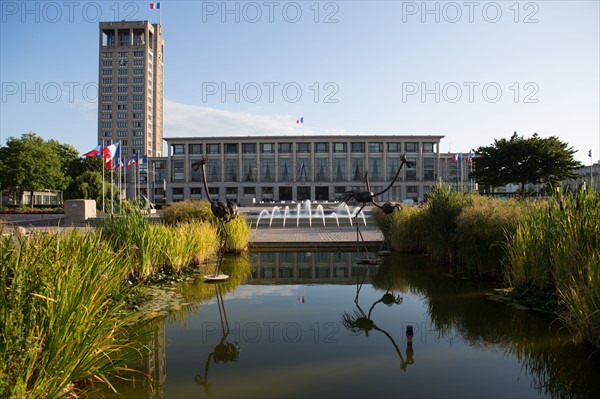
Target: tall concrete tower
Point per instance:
(130, 82)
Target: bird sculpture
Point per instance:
(224, 212)
(356, 197)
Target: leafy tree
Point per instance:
(31, 164)
(524, 160)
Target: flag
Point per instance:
(111, 152)
(133, 161)
(120, 162)
(155, 6)
(457, 157)
(470, 157)
(144, 160)
(590, 153)
(95, 152)
(301, 120)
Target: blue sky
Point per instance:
(471, 71)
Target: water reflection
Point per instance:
(224, 351)
(303, 348)
(359, 321)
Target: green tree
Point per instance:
(31, 164)
(524, 160)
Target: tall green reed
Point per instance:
(62, 314)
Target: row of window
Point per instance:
(122, 115)
(124, 98)
(121, 125)
(286, 148)
(286, 170)
(136, 54)
(125, 71)
(268, 190)
(123, 81)
(123, 107)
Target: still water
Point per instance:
(315, 324)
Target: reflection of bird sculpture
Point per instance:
(224, 351)
(360, 321)
(223, 211)
(355, 197)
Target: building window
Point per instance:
(375, 172)
(177, 191)
(339, 190)
(375, 147)
(267, 190)
(107, 134)
(106, 125)
(213, 148)
(213, 170)
(249, 171)
(121, 133)
(249, 148)
(321, 170)
(411, 147)
(339, 169)
(428, 169)
(412, 189)
(122, 98)
(428, 147)
(122, 115)
(249, 190)
(195, 175)
(107, 72)
(231, 148)
(357, 169)
(285, 148)
(231, 191)
(107, 90)
(411, 173)
(285, 169)
(266, 170)
(303, 169)
(231, 170)
(107, 99)
(392, 167)
(178, 149)
(303, 147)
(357, 147)
(339, 147)
(178, 171)
(195, 148)
(196, 191)
(321, 147)
(107, 81)
(267, 148)
(122, 81)
(394, 147)
(122, 107)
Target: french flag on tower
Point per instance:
(155, 6)
(301, 120)
(96, 152)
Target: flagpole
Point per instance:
(103, 166)
(111, 189)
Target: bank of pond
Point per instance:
(74, 309)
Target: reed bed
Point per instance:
(557, 248)
(403, 229)
(62, 314)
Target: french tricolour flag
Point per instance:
(110, 152)
(155, 6)
(95, 152)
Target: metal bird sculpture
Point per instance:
(355, 197)
(224, 212)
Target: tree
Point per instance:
(31, 164)
(524, 160)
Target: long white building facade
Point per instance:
(282, 168)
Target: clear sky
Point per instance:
(472, 71)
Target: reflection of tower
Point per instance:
(268, 172)
(338, 173)
(157, 360)
(357, 176)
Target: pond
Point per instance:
(316, 324)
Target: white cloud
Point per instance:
(183, 120)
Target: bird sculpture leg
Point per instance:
(359, 236)
(222, 244)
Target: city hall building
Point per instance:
(266, 169)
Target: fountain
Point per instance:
(304, 210)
